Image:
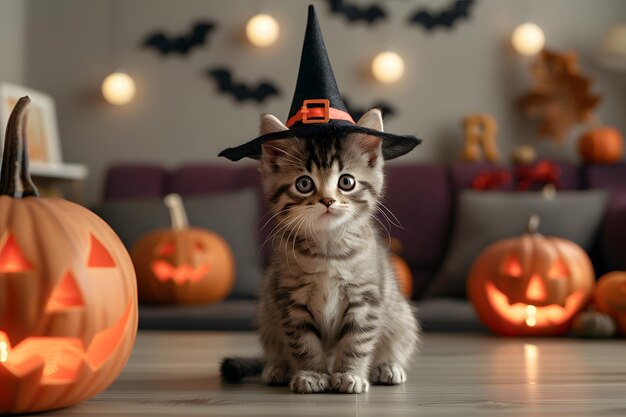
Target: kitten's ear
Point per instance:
(270, 124)
(371, 145)
(373, 119)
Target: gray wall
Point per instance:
(12, 25)
(177, 116)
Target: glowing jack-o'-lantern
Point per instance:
(610, 298)
(530, 285)
(68, 298)
(182, 265)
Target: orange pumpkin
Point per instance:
(610, 298)
(401, 268)
(603, 145)
(530, 285)
(68, 297)
(403, 273)
(182, 265)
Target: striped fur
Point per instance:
(331, 316)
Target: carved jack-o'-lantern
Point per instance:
(68, 298)
(182, 265)
(530, 285)
(610, 297)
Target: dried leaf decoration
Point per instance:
(561, 97)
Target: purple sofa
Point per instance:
(421, 196)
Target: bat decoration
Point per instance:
(183, 44)
(241, 92)
(354, 13)
(385, 108)
(445, 18)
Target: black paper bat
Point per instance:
(445, 18)
(357, 112)
(241, 92)
(183, 44)
(354, 13)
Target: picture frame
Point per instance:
(42, 129)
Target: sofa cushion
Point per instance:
(608, 177)
(613, 241)
(135, 181)
(483, 218)
(232, 215)
(419, 197)
(227, 315)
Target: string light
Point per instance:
(262, 30)
(388, 67)
(528, 39)
(118, 88)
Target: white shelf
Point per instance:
(60, 171)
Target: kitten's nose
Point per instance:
(327, 201)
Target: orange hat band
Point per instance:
(318, 114)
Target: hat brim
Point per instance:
(393, 145)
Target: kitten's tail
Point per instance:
(234, 369)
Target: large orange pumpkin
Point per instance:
(68, 298)
(602, 145)
(530, 285)
(182, 265)
(610, 298)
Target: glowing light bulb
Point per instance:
(388, 67)
(118, 88)
(528, 39)
(262, 30)
(531, 316)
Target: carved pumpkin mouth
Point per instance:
(165, 271)
(533, 316)
(59, 359)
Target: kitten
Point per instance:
(332, 316)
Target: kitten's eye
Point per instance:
(347, 182)
(304, 184)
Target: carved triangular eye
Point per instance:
(558, 270)
(513, 267)
(99, 257)
(166, 249)
(11, 257)
(65, 295)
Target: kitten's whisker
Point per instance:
(397, 221)
(274, 216)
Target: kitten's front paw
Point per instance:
(388, 374)
(308, 382)
(349, 383)
(276, 374)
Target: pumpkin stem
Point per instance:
(15, 180)
(177, 211)
(533, 224)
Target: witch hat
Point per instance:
(317, 109)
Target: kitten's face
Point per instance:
(322, 184)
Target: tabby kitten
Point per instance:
(332, 317)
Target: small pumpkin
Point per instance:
(403, 272)
(182, 265)
(68, 297)
(602, 145)
(610, 298)
(593, 324)
(530, 285)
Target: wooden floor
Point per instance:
(455, 375)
